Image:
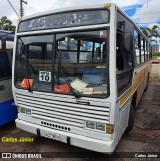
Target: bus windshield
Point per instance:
(65, 63)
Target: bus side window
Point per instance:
(119, 49)
(10, 55)
(5, 69)
(124, 63)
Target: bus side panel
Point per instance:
(138, 85)
(8, 112)
(142, 79)
(123, 117)
(5, 90)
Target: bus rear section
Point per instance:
(8, 110)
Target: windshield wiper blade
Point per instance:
(65, 75)
(23, 59)
(28, 81)
(25, 77)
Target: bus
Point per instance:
(8, 110)
(78, 75)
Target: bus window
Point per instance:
(5, 70)
(137, 47)
(149, 51)
(64, 45)
(10, 56)
(124, 61)
(34, 51)
(124, 51)
(86, 63)
(34, 61)
(119, 47)
(142, 50)
(137, 56)
(146, 51)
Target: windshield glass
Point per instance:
(68, 63)
(33, 67)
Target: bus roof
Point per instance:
(79, 7)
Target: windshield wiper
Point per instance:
(29, 87)
(65, 75)
(24, 76)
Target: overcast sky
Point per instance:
(141, 11)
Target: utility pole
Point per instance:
(21, 8)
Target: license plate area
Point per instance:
(53, 136)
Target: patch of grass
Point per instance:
(156, 76)
(157, 54)
(154, 57)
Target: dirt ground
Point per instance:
(145, 136)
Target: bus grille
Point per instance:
(63, 112)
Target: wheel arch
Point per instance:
(134, 100)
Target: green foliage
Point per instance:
(6, 24)
(156, 54)
(151, 32)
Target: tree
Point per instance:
(151, 32)
(6, 24)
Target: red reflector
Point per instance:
(26, 83)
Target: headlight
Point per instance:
(90, 124)
(24, 110)
(28, 111)
(100, 127)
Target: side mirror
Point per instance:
(3, 44)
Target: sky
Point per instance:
(145, 13)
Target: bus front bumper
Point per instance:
(66, 137)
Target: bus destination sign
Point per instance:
(66, 19)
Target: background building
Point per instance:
(155, 48)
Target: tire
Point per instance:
(130, 119)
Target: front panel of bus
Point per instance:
(62, 82)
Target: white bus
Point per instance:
(8, 110)
(79, 74)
